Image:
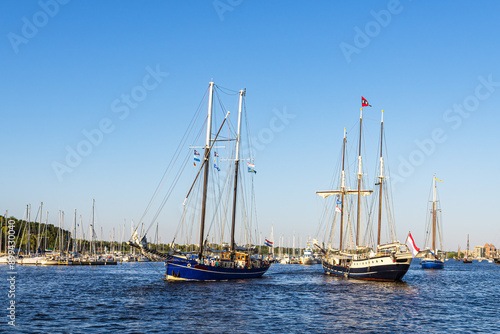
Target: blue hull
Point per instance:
(432, 264)
(178, 268)
(386, 273)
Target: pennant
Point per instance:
(337, 209)
(364, 102)
(215, 154)
(215, 166)
(411, 245)
(439, 180)
(196, 157)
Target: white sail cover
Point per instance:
(325, 194)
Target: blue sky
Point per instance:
(64, 64)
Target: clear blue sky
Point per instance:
(65, 63)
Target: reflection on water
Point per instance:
(132, 298)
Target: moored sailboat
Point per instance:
(467, 259)
(433, 259)
(212, 262)
(384, 262)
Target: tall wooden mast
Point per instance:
(467, 255)
(28, 215)
(360, 174)
(434, 199)
(207, 165)
(342, 190)
(39, 230)
(92, 242)
(381, 179)
(236, 168)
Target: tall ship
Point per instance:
(432, 257)
(355, 255)
(215, 200)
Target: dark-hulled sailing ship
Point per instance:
(213, 261)
(384, 262)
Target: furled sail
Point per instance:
(325, 194)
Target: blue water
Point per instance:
(132, 298)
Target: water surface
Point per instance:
(132, 298)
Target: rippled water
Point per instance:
(132, 298)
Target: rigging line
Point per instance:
(174, 158)
(224, 109)
(172, 186)
(247, 126)
(155, 267)
(218, 205)
(209, 156)
(174, 183)
(167, 196)
(171, 165)
(183, 218)
(388, 168)
(227, 89)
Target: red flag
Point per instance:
(411, 245)
(364, 102)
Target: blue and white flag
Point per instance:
(215, 161)
(196, 157)
(338, 200)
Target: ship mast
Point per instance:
(381, 178)
(359, 179)
(207, 164)
(39, 229)
(28, 215)
(92, 242)
(434, 213)
(467, 255)
(236, 168)
(342, 190)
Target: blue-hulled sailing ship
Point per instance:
(432, 257)
(214, 261)
(354, 258)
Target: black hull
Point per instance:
(381, 272)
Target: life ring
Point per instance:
(189, 265)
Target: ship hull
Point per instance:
(384, 269)
(181, 269)
(31, 260)
(432, 264)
